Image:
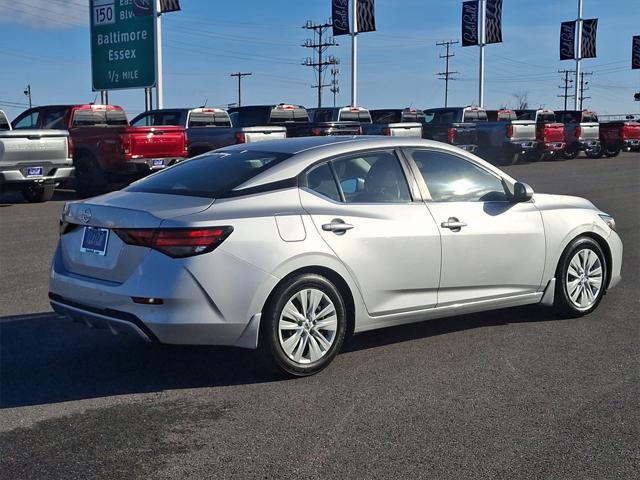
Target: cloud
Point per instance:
(47, 14)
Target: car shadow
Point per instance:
(10, 198)
(45, 358)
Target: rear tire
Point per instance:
(570, 153)
(581, 278)
(303, 326)
(90, 179)
(508, 157)
(37, 194)
(611, 152)
(594, 152)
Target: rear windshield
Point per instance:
(284, 115)
(362, 116)
(442, 116)
(568, 117)
(209, 119)
(90, 118)
(475, 115)
(211, 175)
(501, 116)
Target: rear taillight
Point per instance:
(509, 132)
(241, 138)
(177, 242)
(125, 144)
(451, 135)
(386, 131)
(70, 147)
(316, 132)
(578, 132)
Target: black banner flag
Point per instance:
(493, 22)
(470, 15)
(568, 40)
(169, 6)
(589, 30)
(366, 16)
(340, 17)
(635, 59)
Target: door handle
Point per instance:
(453, 224)
(337, 226)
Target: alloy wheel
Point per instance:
(307, 326)
(584, 278)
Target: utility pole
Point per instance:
(447, 75)
(319, 46)
(567, 81)
(335, 88)
(583, 87)
(27, 92)
(240, 75)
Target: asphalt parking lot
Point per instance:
(517, 393)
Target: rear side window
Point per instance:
(210, 175)
(4, 123)
(322, 181)
(54, 119)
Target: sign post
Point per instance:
(122, 45)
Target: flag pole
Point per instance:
(354, 55)
(483, 13)
(578, 55)
(159, 85)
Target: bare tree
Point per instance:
(522, 100)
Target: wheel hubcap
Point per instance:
(307, 326)
(584, 278)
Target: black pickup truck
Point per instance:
(339, 120)
(453, 125)
(295, 118)
(207, 128)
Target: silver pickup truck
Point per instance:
(33, 161)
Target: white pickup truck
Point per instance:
(33, 161)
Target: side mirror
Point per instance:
(522, 192)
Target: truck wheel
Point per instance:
(596, 152)
(611, 152)
(90, 180)
(507, 158)
(38, 193)
(570, 153)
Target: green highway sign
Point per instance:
(122, 44)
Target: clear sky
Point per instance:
(45, 43)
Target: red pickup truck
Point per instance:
(106, 148)
(616, 136)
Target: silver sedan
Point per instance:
(291, 246)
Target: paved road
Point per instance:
(512, 394)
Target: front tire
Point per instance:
(304, 325)
(38, 194)
(581, 278)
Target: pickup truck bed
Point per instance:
(616, 136)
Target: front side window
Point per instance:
(210, 175)
(450, 178)
(375, 177)
(30, 120)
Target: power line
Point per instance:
(240, 75)
(320, 47)
(447, 75)
(567, 81)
